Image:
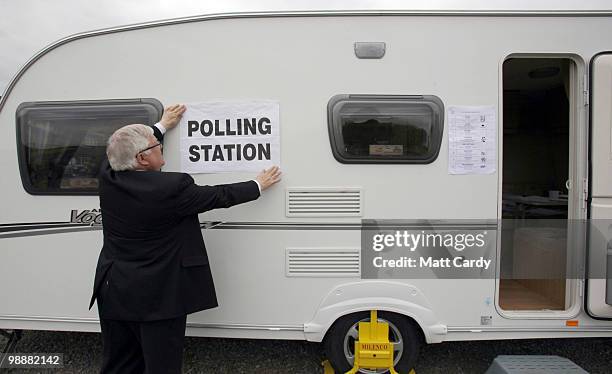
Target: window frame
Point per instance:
(337, 142)
(21, 157)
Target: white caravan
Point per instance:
(288, 265)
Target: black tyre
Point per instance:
(340, 341)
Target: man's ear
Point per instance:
(141, 160)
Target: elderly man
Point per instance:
(153, 269)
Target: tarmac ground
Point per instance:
(83, 354)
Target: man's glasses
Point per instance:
(151, 147)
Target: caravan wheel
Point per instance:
(340, 341)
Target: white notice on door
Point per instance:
(472, 133)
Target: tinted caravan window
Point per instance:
(385, 129)
(61, 145)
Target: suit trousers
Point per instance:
(149, 347)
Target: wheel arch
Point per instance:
(388, 296)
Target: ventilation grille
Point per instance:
(322, 263)
(324, 202)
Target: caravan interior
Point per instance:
(536, 151)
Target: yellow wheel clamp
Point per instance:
(373, 349)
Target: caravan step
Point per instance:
(533, 364)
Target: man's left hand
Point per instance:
(172, 116)
(269, 177)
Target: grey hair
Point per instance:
(125, 143)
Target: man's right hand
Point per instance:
(172, 116)
(269, 177)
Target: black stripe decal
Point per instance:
(35, 229)
(49, 232)
(239, 226)
(339, 226)
(31, 223)
(40, 227)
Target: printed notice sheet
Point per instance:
(230, 136)
(472, 135)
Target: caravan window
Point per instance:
(385, 129)
(61, 145)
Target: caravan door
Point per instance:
(599, 256)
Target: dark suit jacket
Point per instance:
(153, 264)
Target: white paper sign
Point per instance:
(472, 140)
(230, 136)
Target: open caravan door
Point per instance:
(599, 256)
